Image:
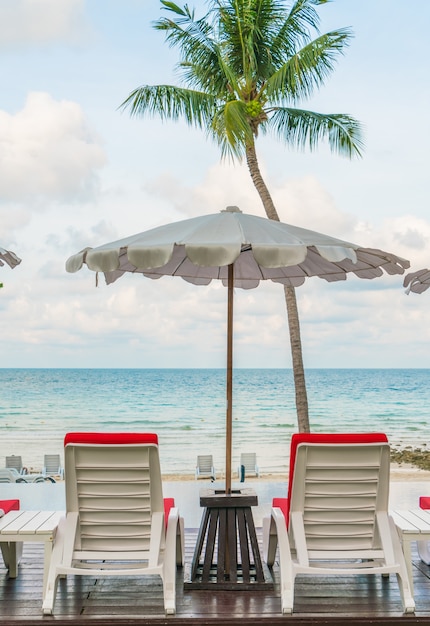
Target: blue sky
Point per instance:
(74, 171)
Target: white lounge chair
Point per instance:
(205, 467)
(335, 519)
(11, 475)
(15, 462)
(117, 523)
(52, 465)
(249, 461)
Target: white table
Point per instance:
(412, 525)
(19, 526)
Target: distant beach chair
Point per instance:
(15, 462)
(11, 475)
(249, 462)
(335, 517)
(117, 522)
(52, 466)
(205, 466)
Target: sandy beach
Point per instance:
(399, 472)
(407, 484)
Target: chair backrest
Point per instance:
(52, 464)
(205, 463)
(338, 485)
(113, 483)
(14, 462)
(249, 461)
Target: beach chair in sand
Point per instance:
(335, 519)
(52, 466)
(15, 462)
(248, 461)
(117, 522)
(11, 475)
(205, 466)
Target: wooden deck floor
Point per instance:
(120, 602)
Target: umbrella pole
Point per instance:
(229, 415)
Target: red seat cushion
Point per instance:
(9, 505)
(299, 438)
(169, 503)
(111, 438)
(424, 502)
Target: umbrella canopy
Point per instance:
(6, 256)
(241, 250)
(417, 281)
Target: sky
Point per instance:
(75, 171)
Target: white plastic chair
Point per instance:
(15, 462)
(249, 461)
(205, 466)
(52, 465)
(11, 475)
(115, 514)
(335, 520)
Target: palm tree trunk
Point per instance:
(290, 300)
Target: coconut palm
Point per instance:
(245, 66)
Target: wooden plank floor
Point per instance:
(128, 601)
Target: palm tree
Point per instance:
(245, 66)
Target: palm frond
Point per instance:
(231, 129)
(301, 128)
(308, 68)
(295, 31)
(170, 102)
(246, 30)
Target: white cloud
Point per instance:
(47, 152)
(24, 22)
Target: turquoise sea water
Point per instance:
(186, 407)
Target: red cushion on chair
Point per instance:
(169, 503)
(111, 438)
(283, 504)
(299, 438)
(424, 502)
(9, 505)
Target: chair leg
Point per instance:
(405, 583)
(423, 551)
(270, 541)
(50, 590)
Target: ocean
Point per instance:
(186, 408)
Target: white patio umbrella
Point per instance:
(241, 250)
(417, 281)
(6, 256)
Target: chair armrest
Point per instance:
(284, 505)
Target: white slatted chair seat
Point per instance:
(249, 461)
(205, 466)
(52, 465)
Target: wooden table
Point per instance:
(228, 539)
(19, 526)
(412, 525)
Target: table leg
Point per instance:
(47, 562)
(406, 545)
(12, 552)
